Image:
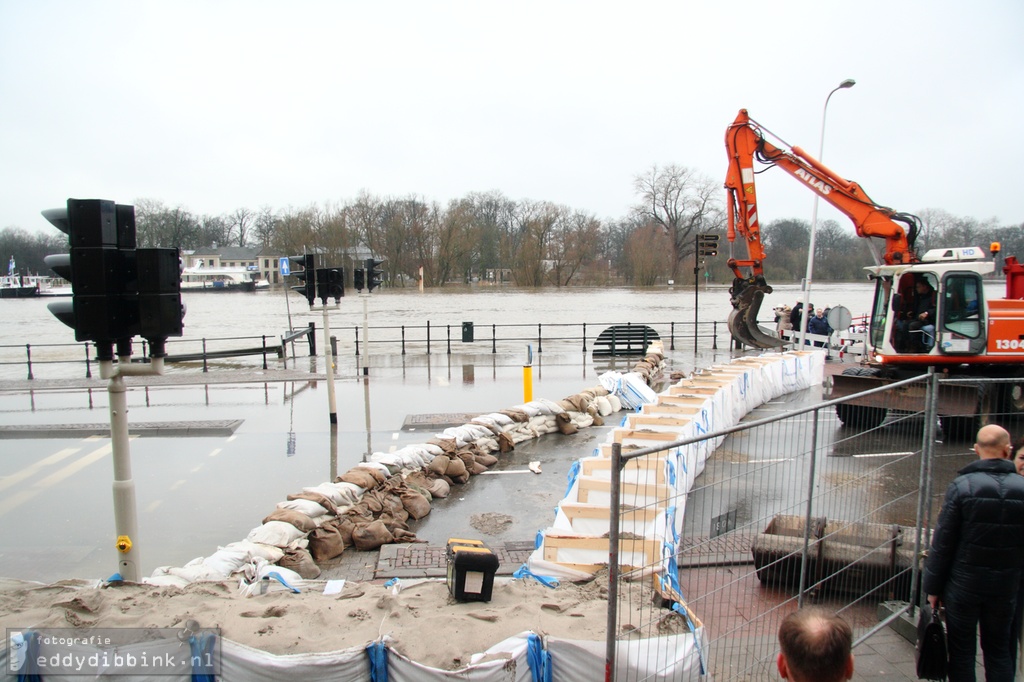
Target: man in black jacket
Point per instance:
(977, 553)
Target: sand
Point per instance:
(424, 622)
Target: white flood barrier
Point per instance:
(653, 496)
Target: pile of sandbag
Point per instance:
(370, 504)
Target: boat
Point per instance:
(18, 286)
(201, 278)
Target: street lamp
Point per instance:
(848, 83)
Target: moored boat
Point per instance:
(200, 278)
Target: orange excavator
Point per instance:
(928, 311)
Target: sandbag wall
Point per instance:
(654, 488)
(371, 504)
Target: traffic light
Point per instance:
(306, 275)
(707, 244)
(97, 231)
(374, 274)
(321, 284)
(358, 279)
(158, 292)
(118, 291)
(336, 283)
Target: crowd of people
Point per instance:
(789, 318)
(974, 571)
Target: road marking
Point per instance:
(152, 506)
(216, 451)
(177, 484)
(885, 454)
(8, 481)
(26, 494)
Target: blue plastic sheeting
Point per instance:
(538, 658)
(377, 654)
(545, 580)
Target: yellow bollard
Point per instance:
(527, 383)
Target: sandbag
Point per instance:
(488, 460)
(565, 425)
(476, 468)
(456, 468)
(296, 518)
(300, 561)
(359, 476)
(439, 464)
(324, 501)
(325, 542)
(414, 503)
(308, 507)
(276, 533)
(346, 524)
(439, 488)
(371, 536)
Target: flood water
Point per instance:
(195, 494)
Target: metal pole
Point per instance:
(613, 563)
(848, 83)
(125, 518)
(329, 365)
(931, 408)
(804, 558)
(366, 334)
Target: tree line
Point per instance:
(526, 242)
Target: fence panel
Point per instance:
(788, 510)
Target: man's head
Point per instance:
(816, 646)
(993, 442)
(819, 312)
(922, 285)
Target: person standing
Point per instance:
(819, 325)
(816, 646)
(977, 553)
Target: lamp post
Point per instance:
(848, 83)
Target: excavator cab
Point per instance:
(930, 308)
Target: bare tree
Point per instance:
(574, 242)
(647, 254)
(156, 225)
(263, 226)
(683, 203)
(239, 224)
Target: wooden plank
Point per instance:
(682, 400)
(576, 510)
(668, 408)
(689, 388)
(637, 420)
(662, 436)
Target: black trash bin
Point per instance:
(467, 332)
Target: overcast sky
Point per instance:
(214, 106)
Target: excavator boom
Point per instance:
(745, 142)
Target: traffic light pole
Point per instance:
(126, 523)
(329, 355)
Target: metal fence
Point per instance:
(789, 510)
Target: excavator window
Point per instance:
(915, 307)
(961, 303)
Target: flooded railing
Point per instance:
(75, 360)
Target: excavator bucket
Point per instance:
(743, 321)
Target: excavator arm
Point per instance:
(745, 142)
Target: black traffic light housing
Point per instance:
(306, 275)
(335, 284)
(113, 299)
(707, 245)
(374, 275)
(359, 279)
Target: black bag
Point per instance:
(932, 660)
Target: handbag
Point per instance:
(931, 656)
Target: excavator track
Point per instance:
(743, 320)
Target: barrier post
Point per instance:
(528, 376)
(264, 351)
(88, 362)
(28, 353)
(613, 563)
(205, 368)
